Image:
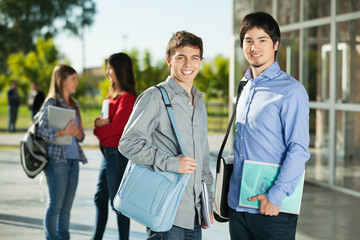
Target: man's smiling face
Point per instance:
(259, 49)
(185, 64)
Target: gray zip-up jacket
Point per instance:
(148, 139)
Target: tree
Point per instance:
(22, 22)
(213, 78)
(146, 73)
(36, 66)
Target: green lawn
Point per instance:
(217, 117)
(24, 117)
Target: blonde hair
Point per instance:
(59, 75)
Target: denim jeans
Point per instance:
(111, 171)
(176, 233)
(62, 180)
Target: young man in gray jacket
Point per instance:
(149, 139)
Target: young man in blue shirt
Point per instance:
(272, 125)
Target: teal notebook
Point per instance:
(258, 177)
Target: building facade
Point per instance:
(320, 46)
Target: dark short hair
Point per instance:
(260, 20)
(182, 39)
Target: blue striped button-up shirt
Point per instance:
(272, 125)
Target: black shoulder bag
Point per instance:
(224, 170)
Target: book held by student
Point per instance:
(258, 177)
(205, 212)
(59, 118)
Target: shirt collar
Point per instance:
(178, 89)
(60, 100)
(269, 73)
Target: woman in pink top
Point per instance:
(121, 96)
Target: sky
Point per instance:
(121, 25)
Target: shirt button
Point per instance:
(242, 137)
(241, 155)
(189, 103)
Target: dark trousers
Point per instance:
(13, 112)
(111, 172)
(247, 226)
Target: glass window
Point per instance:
(264, 6)
(346, 6)
(314, 9)
(348, 150)
(241, 9)
(288, 54)
(348, 62)
(288, 11)
(316, 63)
(317, 168)
(241, 65)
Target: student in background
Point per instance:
(13, 103)
(36, 98)
(121, 96)
(62, 171)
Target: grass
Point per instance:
(24, 117)
(217, 117)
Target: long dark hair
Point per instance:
(125, 80)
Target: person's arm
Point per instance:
(71, 129)
(135, 143)
(50, 133)
(80, 136)
(295, 122)
(43, 128)
(105, 128)
(100, 122)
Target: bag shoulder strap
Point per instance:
(37, 117)
(169, 109)
(240, 88)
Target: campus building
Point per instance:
(320, 46)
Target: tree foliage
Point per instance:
(22, 22)
(146, 73)
(213, 78)
(36, 66)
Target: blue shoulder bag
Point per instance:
(152, 197)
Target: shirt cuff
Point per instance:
(275, 196)
(173, 164)
(52, 134)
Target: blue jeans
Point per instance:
(111, 171)
(176, 233)
(62, 180)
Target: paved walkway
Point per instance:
(325, 214)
